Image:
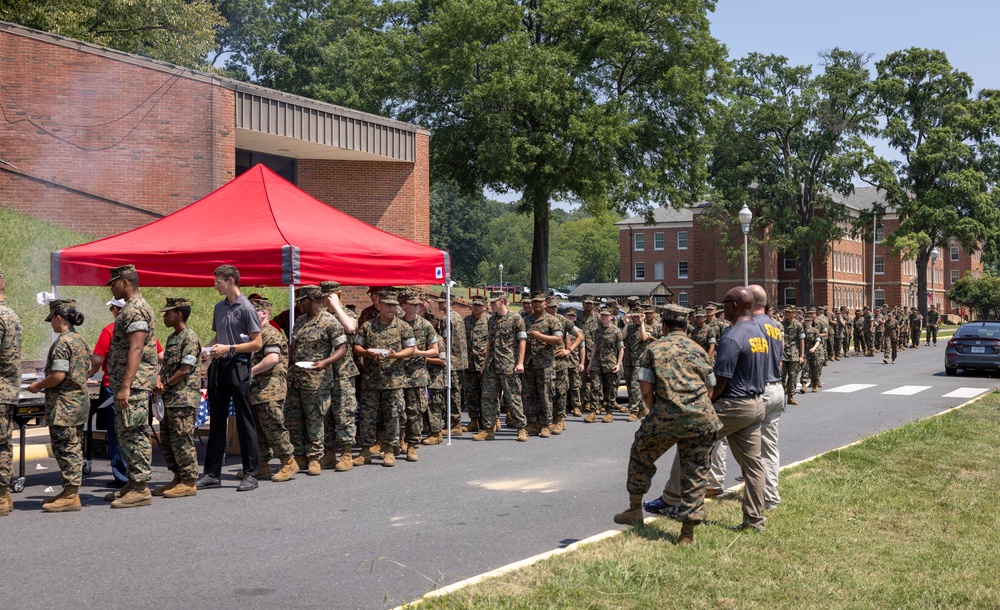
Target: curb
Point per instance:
(36, 451)
(612, 533)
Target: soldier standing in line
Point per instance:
(66, 401)
(793, 357)
(869, 331)
(836, 334)
(879, 324)
(814, 351)
(268, 388)
(915, 322)
(822, 323)
(629, 326)
(132, 371)
(589, 321)
(545, 332)
(10, 387)
(675, 379)
(648, 332)
(891, 338)
(606, 364)
(180, 390)
(339, 428)
(703, 334)
(859, 333)
(459, 363)
(575, 369)
(502, 369)
(416, 378)
(561, 365)
(477, 335)
(933, 319)
(384, 342)
(318, 341)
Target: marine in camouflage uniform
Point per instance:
(675, 375)
(339, 428)
(629, 326)
(933, 319)
(459, 362)
(836, 336)
(589, 321)
(859, 333)
(878, 335)
(606, 364)
(562, 364)
(891, 339)
(573, 373)
(814, 352)
(477, 335)
(792, 358)
(869, 331)
(436, 389)
(10, 387)
(181, 400)
(647, 332)
(504, 364)
(415, 376)
(704, 335)
(382, 378)
(268, 390)
(915, 322)
(545, 332)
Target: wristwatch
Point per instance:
(232, 351)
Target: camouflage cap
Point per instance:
(790, 309)
(375, 289)
(588, 298)
(440, 298)
(261, 304)
(710, 306)
(699, 312)
(570, 313)
(552, 301)
(119, 272)
(810, 312)
(607, 310)
(411, 298)
(389, 297)
(675, 313)
(175, 302)
(329, 287)
(478, 300)
(497, 296)
(309, 292)
(537, 297)
(58, 305)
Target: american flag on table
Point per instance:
(202, 418)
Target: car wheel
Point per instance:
(950, 372)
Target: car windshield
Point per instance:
(979, 331)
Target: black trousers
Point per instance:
(230, 379)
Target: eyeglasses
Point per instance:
(724, 301)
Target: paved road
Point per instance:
(378, 536)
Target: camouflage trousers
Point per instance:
(932, 334)
(384, 404)
(575, 387)
(653, 438)
(472, 393)
(177, 441)
(606, 388)
(272, 435)
(835, 345)
(305, 415)
(891, 347)
(560, 394)
(340, 428)
(635, 403)
(587, 398)
(67, 448)
(456, 398)
(915, 337)
(593, 381)
(537, 395)
(415, 406)
(6, 450)
(815, 369)
(878, 339)
(869, 341)
(789, 375)
(859, 342)
(495, 384)
(131, 425)
(435, 410)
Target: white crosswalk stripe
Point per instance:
(966, 393)
(851, 387)
(908, 390)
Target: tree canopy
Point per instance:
(980, 293)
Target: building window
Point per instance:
(657, 241)
(879, 298)
(658, 270)
(640, 271)
(879, 264)
(879, 233)
(682, 240)
(954, 276)
(954, 253)
(789, 263)
(283, 166)
(640, 242)
(659, 300)
(789, 296)
(682, 270)
(682, 299)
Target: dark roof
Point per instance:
(661, 215)
(862, 199)
(619, 290)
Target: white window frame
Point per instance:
(879, 297)
(639, 242)
(954, 253)
(786, 258)
(954, 276)
(879, 264)
(658, 240)
(682, 299)
(682, 275)
(682, 240)
(639, 271)
(793, 295)
(658, 270)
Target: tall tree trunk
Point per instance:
(922, 259)
(806, 296)
(540, 241)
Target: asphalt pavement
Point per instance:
(377, 537)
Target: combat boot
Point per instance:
(532, 429)
(365, 457)
(790, 400)
(643, 412)
(314, 469)
(345, 462)
(543, 432)
(522, 435)
(687, 534)
(6, 503)
(608, 418)
(484, 435)
(329, 458)
(456, 430)
(289, 467)
(68, 500)
(302, 461)
(403, 445)
(557, 427)
(159, 491)
(624, 409)
(577, 412)
(474, 425)
(815, 389)
(411, 453)
(433, 439)
(632, 417)
(137, 496)
(389, 458)
(591, 417)
(182, 490)
(115, 495)
(633, 515)
(265, 472)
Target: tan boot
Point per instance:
(456, 430)
(815, 389)
(591, 418)
(633, 515)
(577, 412)
(557, 427)
(329, 458)
(68, 500)
(643, 412)
(345, 462)
(484, 435)
(474, 425)
(411, 453)
(624, 409)
(365, 457)
(403, 446)
(496, 426)
(632, 417)
(6, 503)
(138, 496)
(543, 432)
(314, 469)
(115, 495)
(265, 472)
(302, 461)
(159, 491)
(289, 467)
(608, 418)
(376, 449)
(522, 436)
(389, 458)
(434, 439)
(182, 490)
(687, 534)
(790, 400)
(532, 429)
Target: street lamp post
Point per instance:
(934, 257)
(745, 217)
(500, 269)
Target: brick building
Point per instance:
(682, 250)
(100, 141)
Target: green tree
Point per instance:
(980, 293)
(459, 224)
(177, 31)
(595, 241)
(785, 142)
(944, 186)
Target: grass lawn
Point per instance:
(905, 519)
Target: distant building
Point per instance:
(681, 250)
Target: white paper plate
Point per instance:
(305, 364)
(380, 352)
(207, 350)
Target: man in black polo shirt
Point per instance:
(741, 367)
(237, 336)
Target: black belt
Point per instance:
(244, 358)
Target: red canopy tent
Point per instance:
(273, 232)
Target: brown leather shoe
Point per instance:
(686, 537)
(632, 417)
(389, 458)
(6, 502)
(631, 516)
(790, 400)
(411, 453)
(329, 458)
(577, 412)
